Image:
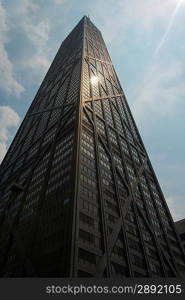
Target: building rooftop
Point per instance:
(180, 221)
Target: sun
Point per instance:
(94, 79)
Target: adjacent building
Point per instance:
(180, 226)
(79, 197)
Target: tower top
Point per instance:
(86, 16)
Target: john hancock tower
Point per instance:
(79, 197)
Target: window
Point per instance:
(98, 107)
(118, 270)
(117, 251)
(88, 194)
(137, 260)
(84, 274)
(154, 268)
(89, 239)
(131, 229)
(87, 220)
(86, 237)
(182, 236)
(151, 252)
(90, 207)
(111, 218)
(86, 256)
(134, 244)
(146, 236)
(88, 181)
(108, 113)
(112, 207)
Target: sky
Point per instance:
(145, 39)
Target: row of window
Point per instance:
(90, 239)
(89, 221)
(88, 171)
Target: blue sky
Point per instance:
(146, 42)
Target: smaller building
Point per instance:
(180, 226)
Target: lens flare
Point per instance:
(94, 79)
(170, 24)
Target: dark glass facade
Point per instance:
(79, 197)
(180, 226)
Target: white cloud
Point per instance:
(176, 206)
(161, 92)
(38, 34)
(3, 150)
(26, 6)
(146, 17)
(8, 83)
(23, 7)
(8, 119)
(38, 62)
(59, 1)
(149, 12)
(26, 15)
(170, 170)
(169, 26)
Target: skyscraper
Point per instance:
(79, 197)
